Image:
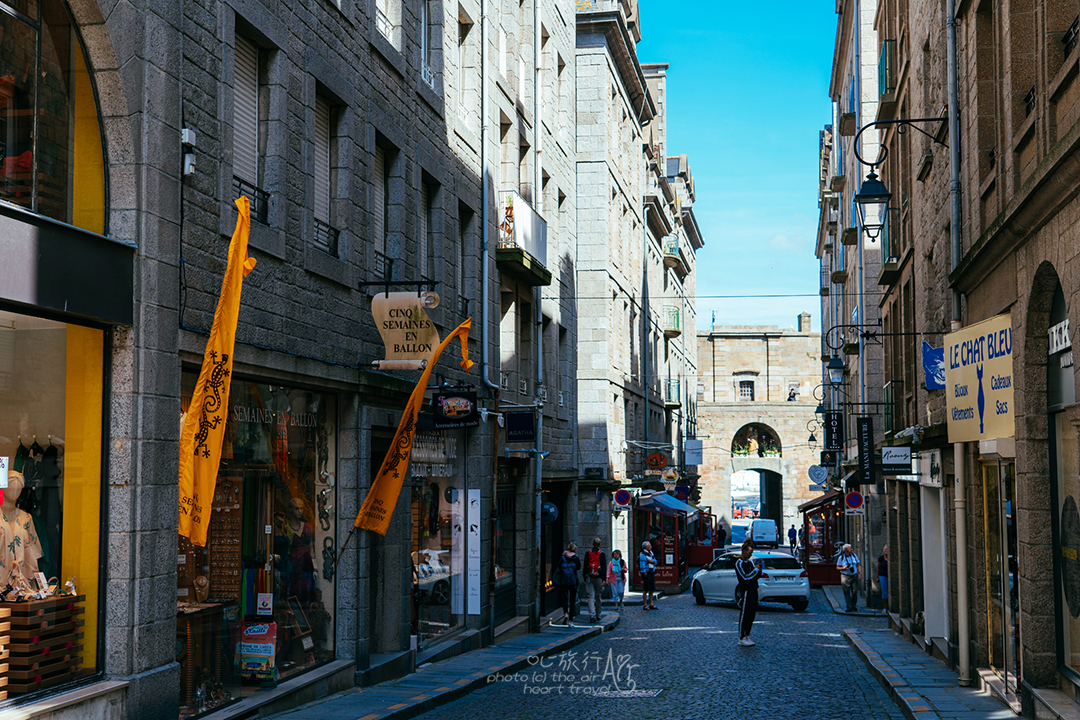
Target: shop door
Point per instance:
(1002, 572)
(505, 531)
(552, 543)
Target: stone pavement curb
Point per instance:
(921, 686)
(437, 684)
(835, 595)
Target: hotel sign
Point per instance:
(979, 380)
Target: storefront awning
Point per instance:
(826, 499)
(668, 502)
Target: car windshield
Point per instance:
(781, 563)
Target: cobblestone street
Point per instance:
(801, 667)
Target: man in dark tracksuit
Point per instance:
(748, 571)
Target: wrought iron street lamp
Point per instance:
(836, 369)
(872, 202)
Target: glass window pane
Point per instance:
(26, 7)
(17, 59)
(1068, 556)
(51, 390)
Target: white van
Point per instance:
(764, 533)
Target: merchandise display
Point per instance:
(253, 606)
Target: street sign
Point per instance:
(694, 452)
(682, 492)
(853, 503)
(834, 430)
(818, 473)
(622, 499)
(817, 488)
(656, 461)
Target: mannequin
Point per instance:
(17, 524)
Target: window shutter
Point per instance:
(246, 112)
(378, 229)
(322, 160)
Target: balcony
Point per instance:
(673, 255)
(672, 394)
(671, 321)
(522, 248)
(890, 250)
(887, 80)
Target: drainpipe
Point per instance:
(960, 490)
(538, 199)
(485, 203)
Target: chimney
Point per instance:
(804, 322)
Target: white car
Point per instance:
(783, 580)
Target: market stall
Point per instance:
(668, 524)
(822, 530)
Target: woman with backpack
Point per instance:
(566, 577)
(616, 577)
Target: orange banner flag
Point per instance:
(204, 425)
(382, 498)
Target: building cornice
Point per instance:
(620, 44)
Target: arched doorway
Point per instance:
(756, 448)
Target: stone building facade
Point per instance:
(982, 533)
(759, 382)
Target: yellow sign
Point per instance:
(979, 380)
(379, 504)
(406, 330)
(204, 424)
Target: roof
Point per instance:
(822, 500)
(668, 502)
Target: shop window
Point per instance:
(1068, 555)
(438, 544)
(50, 135)
(1002, 572)
(255, 605)
(505, 530)
(50, 512)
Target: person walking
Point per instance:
(883, 576)
(722, 535)
(566, 577)
(748, 571)
(595, 579)
(647, 566)
(792, 536)
(616, 577)
(850, 568)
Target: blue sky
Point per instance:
(748, 93)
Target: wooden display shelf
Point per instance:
(41, 643)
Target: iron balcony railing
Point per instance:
(890, 238)
(384, 26)
(890, 406)
(671, 320)
(886, 70)
(522, 227)
(428, 75)
(672, 392)
(1029, 101)
(260, 199)
(1070, 37)
(326, 238)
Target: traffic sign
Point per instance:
(818, 473)
(622, 498)
(854, 503)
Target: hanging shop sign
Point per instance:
(1060, 384)
(656, 461)
(818, 473)
(933, 362)
(864, 428)
(896, 460)
(407, 332)
(599, 472)
(454, 409)
(695, 452)
(520, 426)
(834, 430)
(978, 379)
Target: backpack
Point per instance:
(593, 563)
(567, 574)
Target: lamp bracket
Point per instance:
(902, 124)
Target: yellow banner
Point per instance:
(204, 424)
(978, 380)
(379, 504)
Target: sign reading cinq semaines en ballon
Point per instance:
(979, 380)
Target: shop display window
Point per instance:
(1067, 556)
(51, 395)
(255, 606)
(50, 134)
(438, 545)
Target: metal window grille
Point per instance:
(1029, 101)
(380, 266)
(523, 386)
(746, 390)
(1070, 37)
(326, 238)
(260, 199)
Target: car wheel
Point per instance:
(440, 593)
(699, 594)
(800, 604)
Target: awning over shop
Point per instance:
(826, 499)
(663, 501)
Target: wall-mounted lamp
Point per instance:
(499, 418)
(836, 369)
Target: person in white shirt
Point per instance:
(850, 568)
